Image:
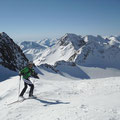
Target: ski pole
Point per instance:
(19, 86)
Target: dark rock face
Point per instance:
(11, 56)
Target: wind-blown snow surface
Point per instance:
(60, 98)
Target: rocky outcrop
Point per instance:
(11, 56)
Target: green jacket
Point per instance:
(26, 72)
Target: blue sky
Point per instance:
(36, 19)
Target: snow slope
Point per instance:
(72, 70)
(5, 73)
(62, 99)
(62, 96)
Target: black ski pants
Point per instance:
(25, 88)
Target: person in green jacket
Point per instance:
(27, 72)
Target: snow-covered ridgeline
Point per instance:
(88, 50)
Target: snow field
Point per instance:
(65, 99)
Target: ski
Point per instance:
(19, 101)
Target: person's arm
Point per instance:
(34, 74)
(22, 71)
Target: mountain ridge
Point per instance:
(11, 56)
(86, 50)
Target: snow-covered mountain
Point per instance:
(47, 42)
(99, 52)
(62, 50)
(32, 50)
(11, 56)
(30, 45)
(94, 51)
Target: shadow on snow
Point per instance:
(53, 102)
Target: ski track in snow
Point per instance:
(95, 99)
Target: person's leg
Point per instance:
(31, 89)
(28, 82)
(24, 89)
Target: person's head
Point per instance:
(30, 64)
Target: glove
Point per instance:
(35, 75)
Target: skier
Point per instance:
(27, 72)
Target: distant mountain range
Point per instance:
(71, 55)
(34, 49)
(94, 51)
